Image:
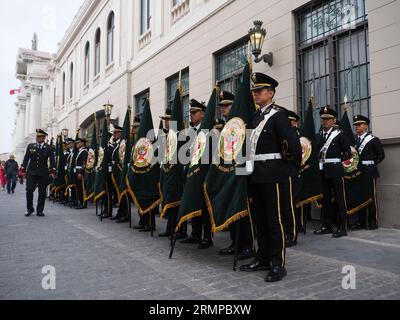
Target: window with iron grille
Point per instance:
(229, 65)
(145, 16)
(333, 58)
(140, 99)
(172, 86)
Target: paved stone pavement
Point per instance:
(95, 260)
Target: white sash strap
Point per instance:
(254, 141)
(365, 142)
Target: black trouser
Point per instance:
(334, 213)
(80, 193)
(369, 215)
(289, 212)
(202, 224)
(123, 207)
(268, 202)
(149, 219)
(245, 235)
(173, 221)
(303, 213)
(33, 182)
(11, 183)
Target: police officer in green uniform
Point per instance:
(277, 148)
(334, 149)
(245, 239)
(371, 154)
(36, 166)
(80, 164)
(107, 200)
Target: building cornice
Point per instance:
(83, 15)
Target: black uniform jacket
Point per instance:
(338, 149)
(36, 161)
(277, 137)
(373, 151)
(80, 162)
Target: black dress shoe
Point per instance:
(147, 229)
(180, 236)
(165, 235)
(117, 217)
(245, 254)
(341, 232)
(290, 243)
(191, 240)
(29, 213)
(40, 214)
(139, 227)
(255, 265)
(276, 274)
(369, 228)
(106, 216)
(123, 220)
(80, 207)
(227, 251)
(357, 226)
(323, 230)
(205, 244)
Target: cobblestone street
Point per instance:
(95, 260)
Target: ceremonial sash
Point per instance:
(366, 140)
(325, 148)
(254, 140)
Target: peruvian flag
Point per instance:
(14, 91)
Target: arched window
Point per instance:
(63, 88)
(97, 52)
(110, 38)
(87, 62)
(71, 81)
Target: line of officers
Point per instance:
(272, 183)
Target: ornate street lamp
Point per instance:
(257, 37)
(108, 109)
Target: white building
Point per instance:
(120, 50)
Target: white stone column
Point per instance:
(27, 129)
(35, 112)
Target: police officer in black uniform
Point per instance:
(107, 200)
(371, 154)
(199, 224)
(277, 149)
(68, 146)
(334, 149)
(37, 170)
(79, 170)
(245, 239)
(289, 190)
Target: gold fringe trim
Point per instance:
(358, 208)
(309, 200)
(142, 211)
(69, 187)
(169, 206)
(101, 194)
(237, 216)
(89, 197)
(187, 217)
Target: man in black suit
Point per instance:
(35, 165)
(371, 154)
(334, 149)
(277, 148)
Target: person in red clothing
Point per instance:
(21, 175)
(2, 177)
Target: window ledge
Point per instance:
(179, 11)
(109, 69)
(96, 80)
(145, 39)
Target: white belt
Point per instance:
(78, 168)
(267, 157)
(368, 163)
(332, 160)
